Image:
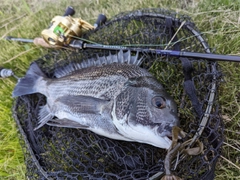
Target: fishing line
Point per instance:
(181, 40)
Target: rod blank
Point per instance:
(83, 45)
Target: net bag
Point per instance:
(65, 153)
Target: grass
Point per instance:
(219, 20)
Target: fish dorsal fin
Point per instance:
(120, 57)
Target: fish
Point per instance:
(109, 95)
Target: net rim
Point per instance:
(205, 117)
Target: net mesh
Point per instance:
(64, 153)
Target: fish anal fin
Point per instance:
(44, 116)
(66, 123)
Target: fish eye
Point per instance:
(159, 102)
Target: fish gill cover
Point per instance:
(68, 153)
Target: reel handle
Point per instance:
(69, 11)
(100, 20)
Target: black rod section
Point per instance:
(210, 56)
(83, 45)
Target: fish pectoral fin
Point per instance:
(66, 123)
(44, 116)
(85, 104)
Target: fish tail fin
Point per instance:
(26, 85)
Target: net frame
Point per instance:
(207, 126)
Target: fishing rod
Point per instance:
(64, 31)
(80, 44)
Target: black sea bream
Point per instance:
(111, 96)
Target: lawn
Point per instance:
(218, 20)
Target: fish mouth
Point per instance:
(165, 130)
(169, 137)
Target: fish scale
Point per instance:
(101, 85)
(85, 87)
